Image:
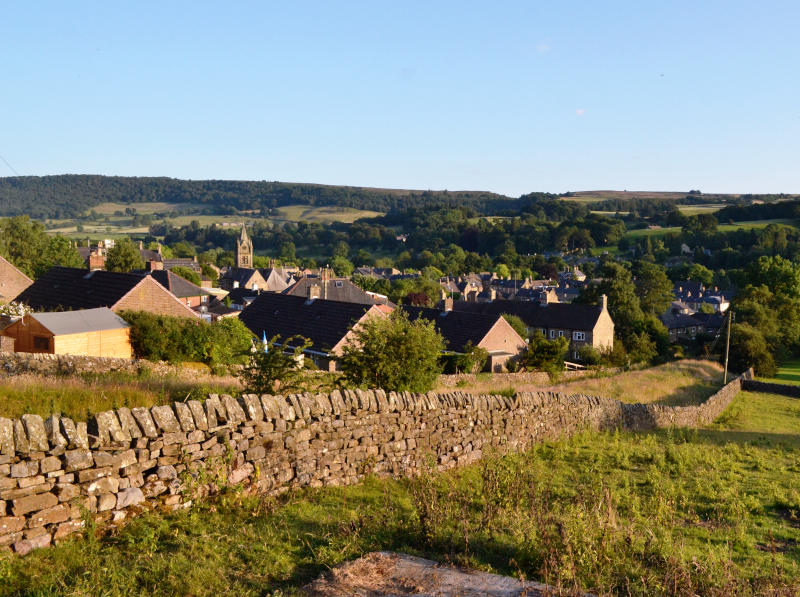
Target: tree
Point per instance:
(749, 348)
(653, 287)
(342, 267)
(393, 353)
(276, 366)
(187, 274)
(546, 355)
(519, 326)
(700, 273)
(124, 256)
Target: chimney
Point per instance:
(448, 305)
(313, 292)
(141, 245)
(97, 261)
(325, 277)
(603, 302)
(159, 248)
(543, 298)
(154, 265)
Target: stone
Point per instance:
(128, 424)
(103, 485)
(26, 468)
(215, 412)
(102, 458)
(238, 475)
(184, 416)
(126, 458)
(37, 436)
(11, 524)
(50, 464)
(93, 473)
(30, 481)
(6, 436)
(234, 411)
(67, 528)
(252, 407)
(26, 546)
(165, 419)
(145, 421)
(198, 414)
(79, 459)
(2, 508)
(167, 472)
(21, 437)
(77, 435)
(52, 515)
(106, 502)
(270, 406)
(33, 503)
(129, 497)
(105, 426)
(66, 491)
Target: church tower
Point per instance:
(244, 250)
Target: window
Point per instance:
(41, 343)
(552, 333)
(338, 284)
(560, 333)
(204, 299)
(577, 356)
(693, 331)
(579, 335)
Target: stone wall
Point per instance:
(751, 385)
(510, 379)
(56, 472)
(12, 363)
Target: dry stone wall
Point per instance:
(56, 472)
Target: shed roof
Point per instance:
(62, 323)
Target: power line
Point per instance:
(9, 165)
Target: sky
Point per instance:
(511, 97)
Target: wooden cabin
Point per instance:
(89, 332)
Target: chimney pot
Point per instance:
(603, 302)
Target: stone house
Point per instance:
(583, 325)
(327, 324)
(334, 289)
(89, 332)
(189, 293)
(12, 281)
(72, 289)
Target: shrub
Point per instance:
(187, 274)
(546, 355)
(393, 353)
(276, 366)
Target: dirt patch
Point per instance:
(381, 574)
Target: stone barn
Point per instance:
(89, 332)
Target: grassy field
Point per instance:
(151, 207)
(77, 396)
(749, 225)
(788, 373)
(307, 213)
(693, 210)
(706, 512)
(675, 384)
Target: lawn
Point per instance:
(788, 373)
(680, 512)
(745, 225)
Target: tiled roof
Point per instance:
(568, 316)
(458, 328)
(178, 286)
(66, 288)
(324, 322)
(338, 289)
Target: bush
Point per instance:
(187, 274)
(277, 368)
(393, 353)
(749, 348)
(546, 355)
(178, 339)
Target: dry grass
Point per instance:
(675, 384)
(78, 396)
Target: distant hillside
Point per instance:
(69, 196)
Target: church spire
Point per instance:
(244, 250)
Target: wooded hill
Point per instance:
(72, 195)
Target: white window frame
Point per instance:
(577, 356)
(552, 334)
(560, 333)
(579, 335)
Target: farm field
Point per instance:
(151, 207)
(681, 512)
(748, 225)
(788, 373)
(296, 213)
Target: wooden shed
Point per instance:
(89, 332)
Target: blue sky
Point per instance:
(510, 97)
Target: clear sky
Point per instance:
(510, 97)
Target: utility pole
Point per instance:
(727, 348)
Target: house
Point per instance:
(88, 332)
(276, 279)
(327, 324)
(71, 289)
(189, 293)
(12, 281)
(583, 325)
(694, 294)
(687, 326)
(334, 289)
(463, 329)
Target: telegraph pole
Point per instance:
(727, 348)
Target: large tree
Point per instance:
(393, 353)
(124, 256)
(653, 287)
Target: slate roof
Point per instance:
(67, 288)
(457, 327)
(62, 323)
(674, 321)
(567, 316)
(338, 289)
(186, 262)
(324, 322)
(240, 274)
(178, 286)
(277, 280)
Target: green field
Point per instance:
(749, 225)
(296, 213)
(704, 512)
(109, 208)
(693, 210)
(788, 373)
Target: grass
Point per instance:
(675, 384)
(788, 373)
(746, 225)
(143, 207)
(709, 512)
(307, 213)
(78, 396)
